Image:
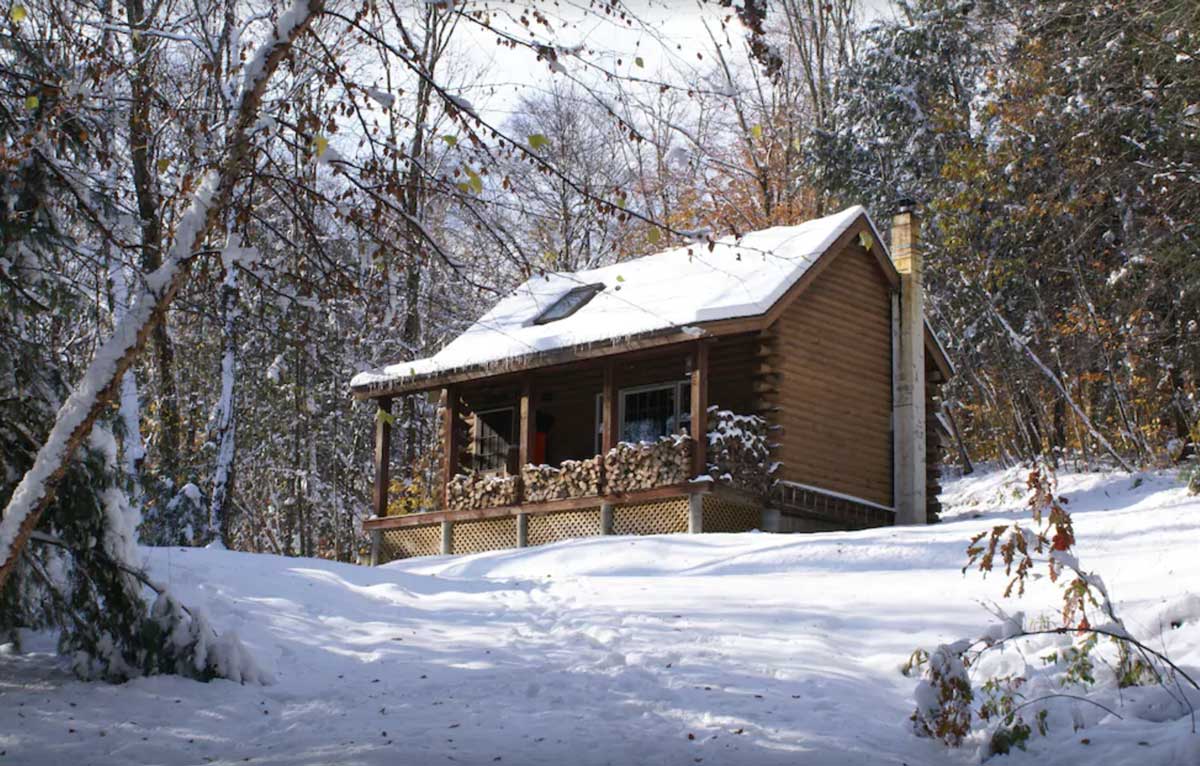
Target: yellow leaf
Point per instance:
(450, 140)
(654, 235)
(17, 14)
(320, 144)
(537, 141)
(31, 102)
(163, 164)
(639, 62)
(756, 131)
(866, 240)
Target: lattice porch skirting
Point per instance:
(796, 509)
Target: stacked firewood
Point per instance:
(573, 478)
(629, 467)
(468, 491)
(739, 450)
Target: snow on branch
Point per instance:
(76, 416)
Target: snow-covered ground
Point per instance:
(715, 649)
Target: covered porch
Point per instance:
(594, 445)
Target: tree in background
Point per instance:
(1054, 151)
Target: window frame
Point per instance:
(681, 388)
(477, 441)
(589, 292)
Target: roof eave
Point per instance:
(416, 384)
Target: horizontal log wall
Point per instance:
(569, 398)
(826, 372)
(730, 361)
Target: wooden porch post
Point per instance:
(383, 455)
(450, 437)
(528, 422)
(699, 378)
(608, 438)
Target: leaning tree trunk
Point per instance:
(132, 447)
(93, 393)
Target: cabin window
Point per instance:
(569, 303)
(650, 412)
(494, 435)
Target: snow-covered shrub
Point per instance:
(1191, 477)
(944, 695)
(176, 518)
(1086, 652)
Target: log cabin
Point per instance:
(777, 381)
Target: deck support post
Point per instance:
(528, 415)
(447, 538)
(699, 380)
(772, 520)
(376, 542)
(608, 403)
(383, 455)
(522, 530)
(450, 437)
(695, 513)
(606, 518)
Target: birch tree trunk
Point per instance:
(95, 390)
(132, 447)
(226, 406)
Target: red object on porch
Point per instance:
(539, 448)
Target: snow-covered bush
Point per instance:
(176, 518)
(944, 695)
(1087, 655)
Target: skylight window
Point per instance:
(569, 303)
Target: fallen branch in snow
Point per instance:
(192, 647)
(93, 392)
(1115, 635)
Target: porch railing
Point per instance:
(738, 452)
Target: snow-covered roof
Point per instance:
(676, 289)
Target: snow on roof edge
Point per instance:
(800, 238)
